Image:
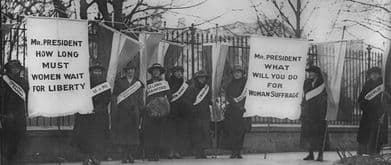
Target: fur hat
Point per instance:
(201, 73)
(177, 68)
(97, 66)
(374, 70)
(12, 64)
(314, 69)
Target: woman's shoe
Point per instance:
(124, 161)
(239, 156)
(177, 156)
(88, 161)
(130, 159)
(233, 156)
(309, 157)
(171, 156)
(320, 158)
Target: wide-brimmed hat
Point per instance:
(314, 69)
(201, 73)
(177, 68)
(13, 64)
(129, 66)
(374, 70)
(156, 66)
(238, 68)
(97, 66)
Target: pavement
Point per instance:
(288, 158)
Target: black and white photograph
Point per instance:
(195, 82)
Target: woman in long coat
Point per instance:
(313, 114)
(234, 123)
(176, 128)
(13, 112)
(128, 96)
(91, 131)
(373, 124)
(157, 107)
(200, 113)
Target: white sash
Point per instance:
(100, 88)
(374, 92)
(315, 92)
(15, 87)
(204, 91)
(157, 87)
(241, 96)
(178, 94)
(126, 93)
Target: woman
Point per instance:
(157, 108)
(128, 96)
(313, 114)
(234, 121)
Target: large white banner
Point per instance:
(58, 62)
(275, 77)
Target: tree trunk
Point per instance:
(298, 21)
(83, 9)
(117, 7)
(60, 9)
(102, 6)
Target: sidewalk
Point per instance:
(289, 158)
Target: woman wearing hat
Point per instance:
(177, 123)
(314, 107)
(234, 122)
(128, 101)
(91, 131)
(13, 112)
(373, 124)
(198, 99)
(157, 108)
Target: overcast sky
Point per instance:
(320, 22)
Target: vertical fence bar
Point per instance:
(192, 29)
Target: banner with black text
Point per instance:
(58, 62)
(275, 77)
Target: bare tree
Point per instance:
(373, 15)
(293, 13)
(138, 11)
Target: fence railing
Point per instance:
(194, 58)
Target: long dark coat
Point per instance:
(125, 116)
(234, 123)
(372, 111)
(13, 116)
(313, 117)
(176, 127)
(199, 117)
(153, 127)
(91, 131)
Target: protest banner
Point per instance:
(58, 62)
(275, 77)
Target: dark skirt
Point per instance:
(312, 134)
(152, 132)
(125, 128)
(176, 134)
(91, 132)
(200, 134)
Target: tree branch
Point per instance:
(367, 27)
(293, 7)
(283, 15)
(371, 5)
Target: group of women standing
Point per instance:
(174, 117)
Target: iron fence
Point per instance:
(194, 57)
